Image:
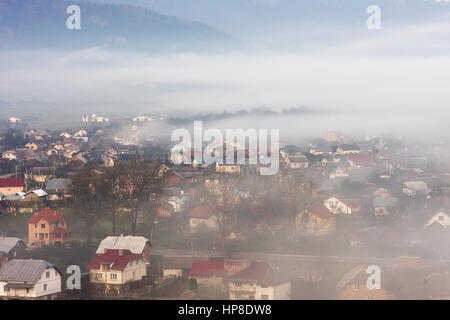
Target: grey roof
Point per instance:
(24, 270)
(384, 202)
(134, 244)
(58, 183)
(8, 243)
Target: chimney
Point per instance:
(120, 252)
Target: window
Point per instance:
(43, 225)
(98, 276)
(113, 276)
(47, 274)
(45, 287)
(356, 286)
(5, 288)
(264, 297)
(237, 284)
(369, 298)
(46, 235)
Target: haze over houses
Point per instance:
(108, 197)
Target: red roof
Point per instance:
(321, 211)
(12, 183)
(113, 258)
(201, 212)
(361, 159)
(208, 268)
(258, 272)
(49, 215)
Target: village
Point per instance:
(107, 197)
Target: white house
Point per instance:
(32, 279)
(337, 205)
(142, 119)
(10, 155)
(441, 217)
(413, 188)
(258, 282)
(14, 120)
(202, 218)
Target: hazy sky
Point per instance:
(395, 72)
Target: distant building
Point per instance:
(316, 221)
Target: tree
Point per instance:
(133, 192)
(90, 190)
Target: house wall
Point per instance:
(363, 293)
(53, 283)
(11, 190)
(172, 272)
(282, 291)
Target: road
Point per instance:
(280, 257)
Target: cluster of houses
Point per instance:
(365, 191)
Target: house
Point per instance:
(10, 186)
(348, 149)
(178, 266)
(361, 160)
(202, 219)
(48, 227)
(208, 273)
(142, 119)
(32, 146)
(14, 120)
(353, 286)
(134, 244)
(338, 205)
(59, 189)
(385, 206)
(440, 218)
(228, 168)
(316, 221)
(116, 271)
(11, 248)
(35, 195)
(416, 188)
(258, 282)
(296, 161)
(10, 155)
(32, 279)
(437, 286)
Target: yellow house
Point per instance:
(10, 186)
(47, 227)
(117, 270)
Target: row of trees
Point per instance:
(128, 188)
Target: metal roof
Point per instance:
(24, 270)
(8, 243)
(135, 244)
